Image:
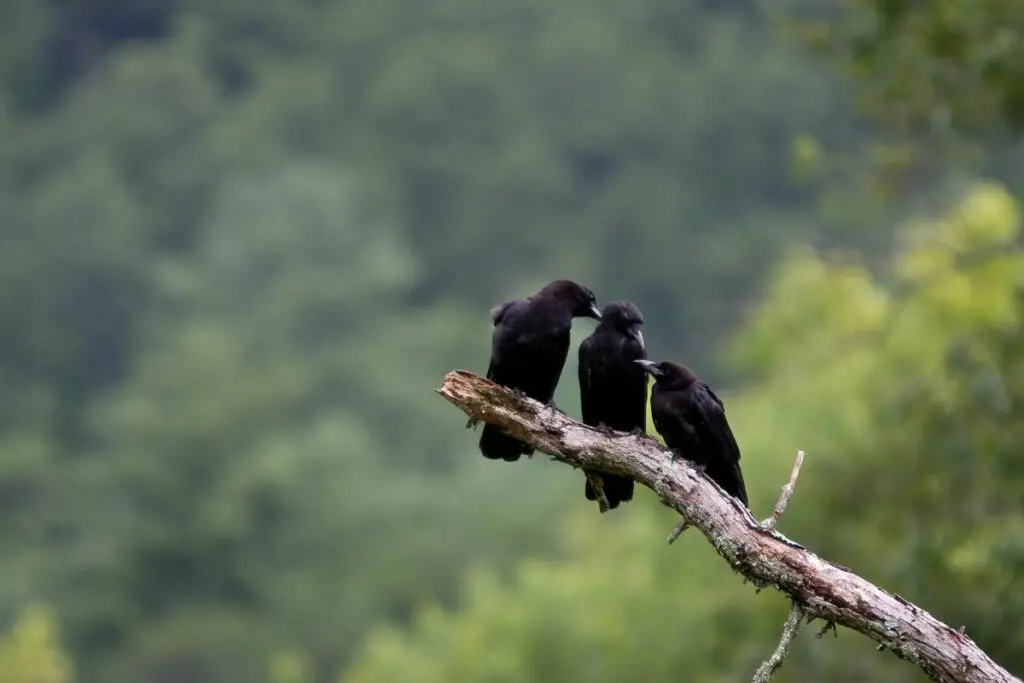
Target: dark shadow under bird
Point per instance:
(691, 419)
(529, 346)
(613, 388)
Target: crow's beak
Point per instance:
(638, 334)
(649, 366)
(594, 312)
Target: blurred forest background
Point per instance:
(241, 242)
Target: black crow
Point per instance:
(528, 349)
(692, 421)
(613, 389)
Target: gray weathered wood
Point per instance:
(763, 556)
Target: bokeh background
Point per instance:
(241, 243)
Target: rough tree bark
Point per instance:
(818, 588)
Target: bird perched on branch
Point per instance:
(529, 346)
(613, 389)
(691, 419)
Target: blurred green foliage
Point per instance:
(241, 242)
(31, 652)
(953, 64)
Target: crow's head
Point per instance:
(624, 317)
(580, 300)
(669, 374)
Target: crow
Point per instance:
(529, 346)
(691, 419)
(613, 389)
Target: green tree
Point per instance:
(930, 446)
(933, 66)
(31, 652)
(254, 453)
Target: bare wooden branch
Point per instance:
(787, 493)
(680, 528)
(765, 672)
(764, 556)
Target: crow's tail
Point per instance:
(496, 445)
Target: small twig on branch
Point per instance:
(774, 663)
(597, 483)
(677, 532)
(761, 555)
(829, 626)
(787, 493)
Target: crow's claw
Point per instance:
(552, 407)
(519, 394)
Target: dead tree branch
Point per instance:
(787, 493)
(780, 507)
(765, 557)
(774, 663)
(680, 528)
